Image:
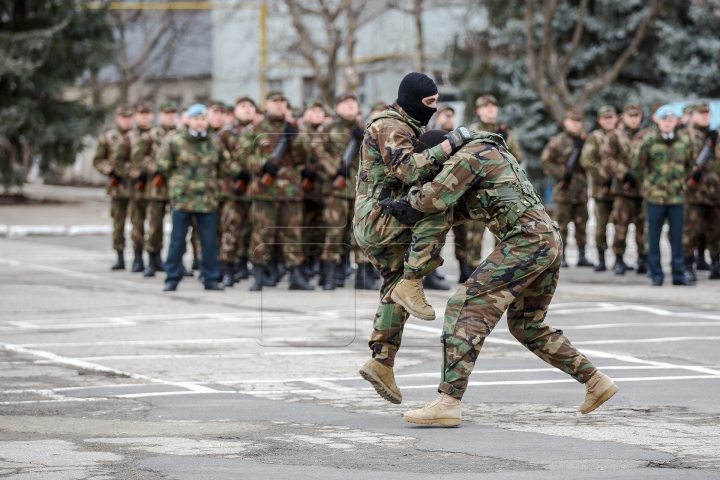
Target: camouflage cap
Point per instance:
(216, 105)
(345, 96)
(702, 107)
(485, 99)
(144, 107)
(606, 111)
(574, 114)
(379, 106)
(125, 111)
(168, 107)
(444, 108)
(632, 108)
(311, 103)
(245, 98)
(689, 108)
(276, 95)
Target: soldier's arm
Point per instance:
(166, 158)
(549, 161)
(329, 154)
(140, 156)
(254, 159)
(101, 162)
(122, 158)
(589, 158)
(638, 166)
(457, 176)
(407, 166)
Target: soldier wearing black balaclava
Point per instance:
(389, 166)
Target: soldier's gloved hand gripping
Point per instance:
(401, 210)
(459, 137)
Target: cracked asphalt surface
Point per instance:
(103, 376)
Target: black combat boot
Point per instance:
(270, 274)
(700, 260)
(620, 266)
(159, 265)
(364, 279)
(120, 263)
(218, 287)
(582, 259)
(138, 264)
(642, 265)
(600, 267)
(714, 267)
(151, 266)
(328, 275)
(226, 274)
(563, 262)
(242, 272)
(465, 272)
(280, 269)
(341, 271)
(689, 270)
(258, 278)
(433, 282)
(297, 280)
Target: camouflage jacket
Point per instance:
(106, 162)
(338, 134)
(311, 139)
(708, 189)
(191, 165)
(663, 167)
(125, 153)
(553, 161)
(484, 182)
(602, 152)
(388, 152)
(145, 158)
(258, 145)
(508, 135)
(234, 163)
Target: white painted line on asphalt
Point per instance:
(220, 355)
(197, 341)
(3, 230)
(25, 230)
(566, 380)
(57, 400)
(70, 273)
(89, 230)
(647, 324)
(645, 340)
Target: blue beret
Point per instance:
(665, 111)
(197, 109)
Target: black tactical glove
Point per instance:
(697, 174)
(567, 177)
(114, 175)
(142, 178)
(629, 179)
(608, 183)
(244, 175)
(290, 129)
(271, 169)
(401, 210)
(358, 134)
(309, 173)
(343, 171)
(459, 137)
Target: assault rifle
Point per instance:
(706, 154)
(574, 159)
(282, 149)
(349, 155)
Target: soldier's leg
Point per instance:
(313, 234)
(289, 221)
(231, 221)
(638, 218)
(603, 209)
(476, 308)
(428, 239)
(195, 243)
(335, 219)
(476, 230)
(713, 242)
(264, 217)
(693, 228)
(138, 210)
(564, 217)
(156, 217)
(118, 212)
(580, 218)
(173, 263)
(245, 233)
(207, 231)
(621, 218)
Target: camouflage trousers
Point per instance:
(476, 232)
(603, 214)
(577, 213)
(277, 224)
(627, 210)
(519, 276)
(118, 212)
(386, 243)
(313, 233)
(460, 231)
(337, 217)
(699, 221)
(237, 228)
(138, 210)
(155, 215)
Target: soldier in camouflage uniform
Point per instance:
(702, 223)
(189, 161)
(628, 206)
(119, 185)
(662, 163)
(484, 181)
(276, 190)
(599, 155)
(236, 203)
(570, 193)
(145, 160)
(389, 166)
(486, 108)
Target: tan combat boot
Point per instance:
(445, 411)
(382, 378)
(411, 295)
(599, 389)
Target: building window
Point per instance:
(309, 89)
(276, 84)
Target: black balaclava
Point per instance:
(430, 139)
(413, 88)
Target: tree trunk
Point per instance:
(419, 45)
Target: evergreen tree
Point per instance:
(46, 46)
(678, 58)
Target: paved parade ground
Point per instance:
(105, 376)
